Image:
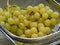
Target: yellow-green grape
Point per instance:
(7, 14)
(1, 11)
(16, 13)
(43, 10)
(7, 26)
(47, 8)
(23, 35)
(27, 16)
(32, 18)
(44, 15)
(40, 34)
(53, 21)
(40, 20)
(48, 30)
(41, 5)
(23, 12)
(36, 15)
(40, 25)
(29, 9)
(10, 21)
(2, 23)
(21, 17)
(35, 9)
(33, 30)
(19, 32)
(33, 24)
(47, 22)
(50, 11)
(16, 21)
(55, 15)
(34, 35)
(2, 18)
(28, 33)
(26, 22)
(42, 29)
(21, 26)
(14, 29)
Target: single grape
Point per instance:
(44, 15)
(43, 10)
(2, 23)
(7, 26)
(41, 5)
(40, 20)
(40, 25)
(48, 30)
(23, 35)
(33, 24)
(14, 29)
(33, 30)
(35, 9)
(21, 26)
(47, 22)
(2, 18)
(40, 34)
(29, 9)
(34, 36)
(10, 21)
(42, 29)
(7, 14)
(53, 21)
(47, 8)
(28, 33)
(19, 32)
(55, 15)
(1, 11)
(36, 15)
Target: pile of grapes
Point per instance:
(31, 22)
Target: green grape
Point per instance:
(16, 13)
(55, 15)
(10, 21)
(50, 11)
(19, 32)
(47, 22)
(44, 15)
(29, 9)
(41, 5)
(35, 9)
(14, 29)
(26, 22)
(23, 35)
(40, 25)
(40, 34)
(47, 8)
(7, 14)
(36, 15)
(33, 30)
(43, 10)
(32, 18)
(40, 20)
(28, 33)
(2, 18)
(21, 26)
(42, 29)
(48, 30)
(16, 21)
(23, 12)
(1, 11)
(21, 17)
(33, 24)
(34, 36)
(2, 23)
(7, 26)
(53, 21)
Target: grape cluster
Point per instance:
(31, 22)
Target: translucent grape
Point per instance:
(40, 34)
